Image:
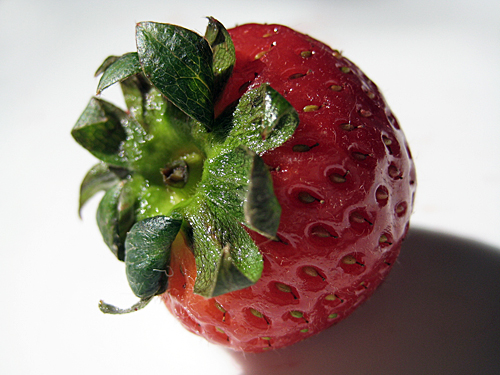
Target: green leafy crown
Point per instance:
(168, 166)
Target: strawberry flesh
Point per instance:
(345, 181)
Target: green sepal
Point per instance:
(120, 69)
(106, 308)
(224, 56)
(99, 129)
(147, 254)
(100, 177)
(226, 257)
(262, 120)
(179, 63)
(105, 64)
(239, 184)
(116, 215)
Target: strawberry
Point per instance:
(257, 182)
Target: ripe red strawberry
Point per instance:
(177, 187)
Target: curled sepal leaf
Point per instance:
(125, 66)
(239, 184)
(106, 308)
(179, 63)
(105, 64)
(226, 257)
(99, 129)
(135, 90)
(116, 215)
(147, 254)
(263, 120)
(224, 56)
(100, 177)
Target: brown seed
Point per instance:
(296, 75)
(305, 197)
(337, 178)
(335, 87)
(347, 126)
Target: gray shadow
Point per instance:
(438, 313)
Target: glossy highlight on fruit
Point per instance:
(280, 191)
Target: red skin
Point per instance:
(330, 256)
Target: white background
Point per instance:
(438, 64)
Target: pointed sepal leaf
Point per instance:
(226, 257)
(179, 63)
(224, 56)
(239, 184)
(99, 129)
(100, 177)
(116, 215)
(147, 254)
(263, 120)
(120, 69)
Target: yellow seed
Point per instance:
(336, 87)
(387, 141)
(304, 330)
(345, 69)
(219, 307)
(331, 297)
(349, 259)
(266, 338)
(332, 316)
(256, 313)
(296, 314)
(383, 239)
(310, 108)
(306, 54)
(260, 55)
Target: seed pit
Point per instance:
(321, 232)
(382, 195)
(353, 264)
(385, 240)
(307, 198)
(357, 217)
(401, 209)
(394, 172)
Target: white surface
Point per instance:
(436, 61)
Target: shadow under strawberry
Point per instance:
(437, 313)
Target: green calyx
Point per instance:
(168, 167)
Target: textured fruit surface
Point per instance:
(345, 181)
